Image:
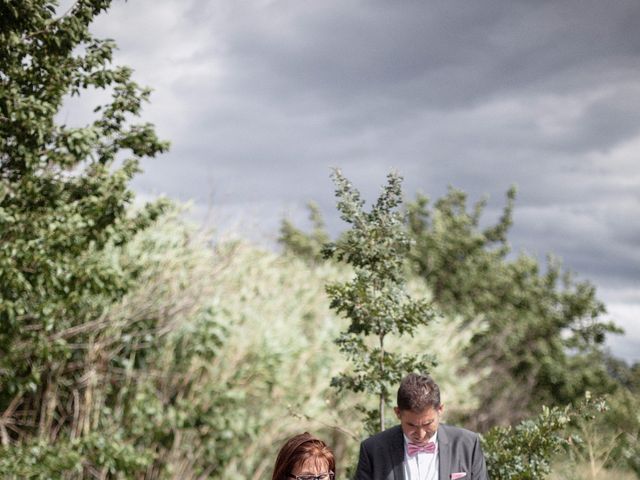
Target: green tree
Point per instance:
(305, 245)
(544, 333)
(375, 301)
(64, 212)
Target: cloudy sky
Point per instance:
(260, 98)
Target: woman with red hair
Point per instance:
(304, 457)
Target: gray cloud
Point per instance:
(438, 54)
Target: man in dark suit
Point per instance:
(421, 448)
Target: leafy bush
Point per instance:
(526, 452)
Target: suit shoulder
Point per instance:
(383, 438)
(459, 432)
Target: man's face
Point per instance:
(419, 427)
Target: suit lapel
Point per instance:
(444, 453)
(397, 455)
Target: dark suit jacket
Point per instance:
(382, 455)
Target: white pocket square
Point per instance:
(458, 475)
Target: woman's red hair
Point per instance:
(297, 450)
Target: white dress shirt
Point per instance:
(421, 466)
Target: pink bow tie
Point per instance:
(413, 449)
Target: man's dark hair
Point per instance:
(418, 392)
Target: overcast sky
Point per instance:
(260, 98)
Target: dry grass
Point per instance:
(584, 471)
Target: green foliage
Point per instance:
(39, 460)
(543, 337)
(526, 451)
(627, 376)
(305, 245)
(62, 201)
(43, 460)
(375, 301)
(624, 420)
(125, 407)
(64, 219)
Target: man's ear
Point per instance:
(441, 409)
(397, 410)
